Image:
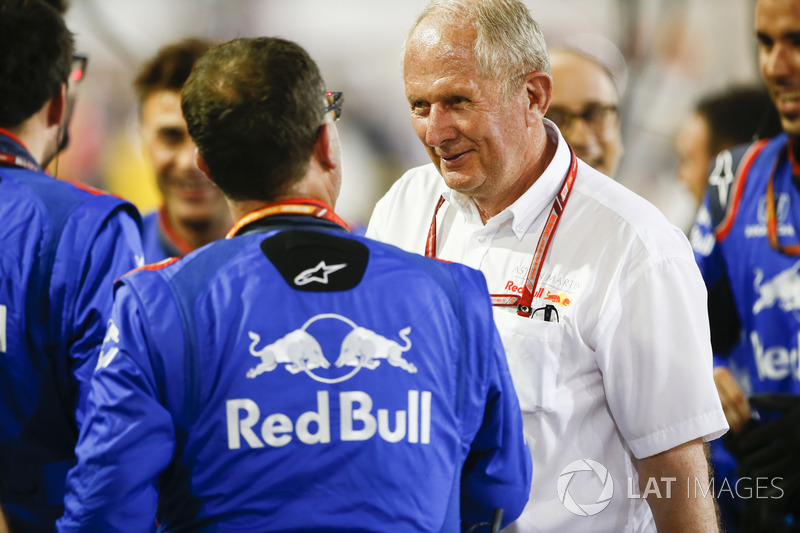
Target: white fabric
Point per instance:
(625, 373)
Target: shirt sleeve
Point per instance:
(655, 356)
(115, 250)
(497, 470)
(128, 437)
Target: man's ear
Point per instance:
(57, 106)
(538, 90)
(324, 147)
(201, 164)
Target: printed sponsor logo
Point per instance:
(558, 299)
(775, 362)
(110, 349)
(782, 205)
(356, 422)
(317, 274)
(361, 348)
(783, 289)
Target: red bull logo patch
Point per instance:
(557, 299)
(361, 348)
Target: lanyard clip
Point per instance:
(524, 310)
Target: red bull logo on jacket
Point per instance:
(356, 422)
(299, 351)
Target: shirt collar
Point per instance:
(539, 196)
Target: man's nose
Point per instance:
(440, 126)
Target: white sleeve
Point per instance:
(654, 351)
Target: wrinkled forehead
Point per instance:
(777, 18)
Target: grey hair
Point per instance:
(509, 42)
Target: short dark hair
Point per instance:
(59, 5)
(36, 49)
(254, 108)
(170, 67)
(738, 115)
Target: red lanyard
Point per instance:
(523, 303)
(18, 161)
(300, 206)
(772, 218)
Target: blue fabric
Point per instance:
(765, 283)
(61, 249)
(204, 416)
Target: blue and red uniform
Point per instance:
(61, 248)
(295, 377)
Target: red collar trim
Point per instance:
(295, 206)
(169, 232)
(13, 137)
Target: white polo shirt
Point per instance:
(626, 371)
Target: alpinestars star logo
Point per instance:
(318, 274)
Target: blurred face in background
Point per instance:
(584, 107)
(693, 147)
(778, 32)
(190, 197)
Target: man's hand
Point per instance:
(734, 404)
(682, 472)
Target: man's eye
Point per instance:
(459, 100)
(171, 136)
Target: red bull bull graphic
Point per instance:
(361, 348)
(558, 299)
(782, 289)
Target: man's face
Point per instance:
(778, 32)
(189, 196)
(694, 157)
(476, 137)
(583, 106)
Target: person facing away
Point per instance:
(584, 105)
(597, 298)
(61, 248)
(194, 211)
(260, 383)
(745, 242)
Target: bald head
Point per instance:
(583, 106)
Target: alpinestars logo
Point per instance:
(361, 348)
(318, 274)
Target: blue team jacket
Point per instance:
(61, 248)
(740, 267)
(300, 379)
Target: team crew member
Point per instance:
(597, 298)
(194, 211)
(745, 241)
(373, 397)
(60, 250)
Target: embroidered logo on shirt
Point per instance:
(318, 274)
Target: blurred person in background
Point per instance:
(720, 121)
(597, 298)
(61, 248)
(585, 106)
(194, 211)
(174, 428)
(747, 244)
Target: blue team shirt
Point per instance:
(232, 395)
(764, 283)
(157, 245)
(61, 248)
